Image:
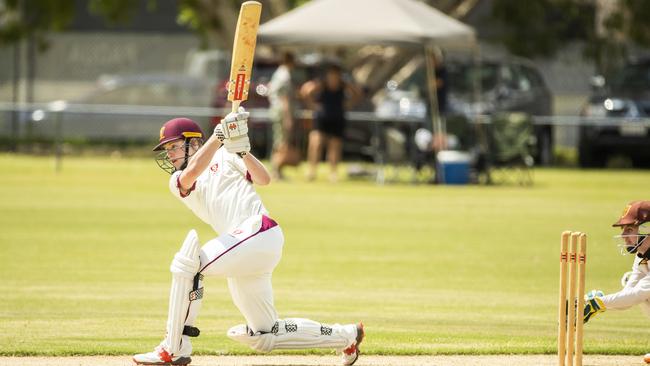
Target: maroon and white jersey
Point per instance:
(223, 196)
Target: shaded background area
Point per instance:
(76, 52)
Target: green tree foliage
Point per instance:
(116, 11)
(637, 26)
(214, 20)
(540, 27)
(20, 19)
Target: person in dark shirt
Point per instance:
(329, 97)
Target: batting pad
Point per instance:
(184, 267)
(296, 333)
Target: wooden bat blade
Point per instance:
(243, 52)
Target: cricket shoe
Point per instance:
(350, 355)
(161, 357)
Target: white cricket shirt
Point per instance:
(223, 196)
(636, 290)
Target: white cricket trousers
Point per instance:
(246, 257)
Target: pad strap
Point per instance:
(197, 292)
(191, 331)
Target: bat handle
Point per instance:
(235, 105)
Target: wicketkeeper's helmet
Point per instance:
(635, 213)
(176, 129)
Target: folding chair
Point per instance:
(511, 142)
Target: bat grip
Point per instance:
(235, 105)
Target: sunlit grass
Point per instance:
(84, 257)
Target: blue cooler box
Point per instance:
(453, 167)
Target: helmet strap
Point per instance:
(187, 155)
(646, 254)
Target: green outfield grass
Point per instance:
(84, 257)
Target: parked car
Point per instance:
(615, 113)
(511, 84)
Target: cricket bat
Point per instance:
(243, 51)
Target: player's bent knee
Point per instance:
(186, 262)
(258, 342)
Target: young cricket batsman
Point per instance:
(216, 180)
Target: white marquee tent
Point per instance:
(361, 22)
(408, 23)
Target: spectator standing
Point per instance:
(329, 97)
(282, 97)
(441, 84)
(439, 140)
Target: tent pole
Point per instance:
(476, 82)
(477, 98)
(433, 93)
(439, 133)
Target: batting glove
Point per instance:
(239, 145)
(593, 304)
(234, 124)
(218, 133)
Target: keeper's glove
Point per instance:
(234, 124)
(239, 145)
(593, 304)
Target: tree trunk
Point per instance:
(612, 48)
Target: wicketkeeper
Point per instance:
(634, 239)
(215, 180)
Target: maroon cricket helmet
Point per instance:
(176, 129)
(635, 213)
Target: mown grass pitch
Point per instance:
(84, 257)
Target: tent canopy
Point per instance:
(363, 22)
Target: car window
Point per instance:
(508, 77)
(534, 77)
(488, 75)
(522, 80)
(513, 77)
(460, 76)
(632, 78)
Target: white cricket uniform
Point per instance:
(636, 290)
(246, 252)
(250, 243)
